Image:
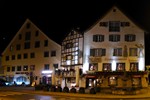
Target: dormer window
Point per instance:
(114, 26)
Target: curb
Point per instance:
(96, 96)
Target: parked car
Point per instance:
(3, 82)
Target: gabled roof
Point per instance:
(73, 32)
(28, 21)
(115, 7)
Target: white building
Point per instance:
(31, 56)
(114, 50)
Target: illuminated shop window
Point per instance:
(112, 81)
(93, 67)
(21, 79)
(136, 81)
(106, 67)
(120, 67)
(133, 66)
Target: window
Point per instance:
(123, 24)
(53, 53)
(69, 45)
(27, 45)
(45, 43)
(13, 57)
(8, 69)
(28, 25)
(114, 37)
(93, 67)
(13, 68)
(7, 58)
(133, 66)
(98, 38)
(98, 52)
(18, 47)
(114, 26)
(18, 68)
(117, 52)
(19, 56)
(120, 67)
(32, 55)
(69, 57)
(37, 33)
(20, 37)
(37, 44)
(27, 36)
(25, 68)
(56, 68)
(105, 24)
(46, 54)
(21, 79)
(25, 55)
(133, 51)
(46, 67)
(106, 67)
(11, 48)
(32, 67)
(130, 37)
(55, 65)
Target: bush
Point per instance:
(82, 90)
(66, 89)
(92, 91)
(39, 87)
(47, 87)
(97, 89)
(73, 90)
(59, 89)
(53, 88)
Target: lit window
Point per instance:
(93, 67)
(133, 66)
(106, 67)
(25, 68)
(120, 67)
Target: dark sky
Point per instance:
(57, 17)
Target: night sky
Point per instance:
(56, 18)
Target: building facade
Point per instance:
(31, 57)
(72, 59)
(114, 52)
